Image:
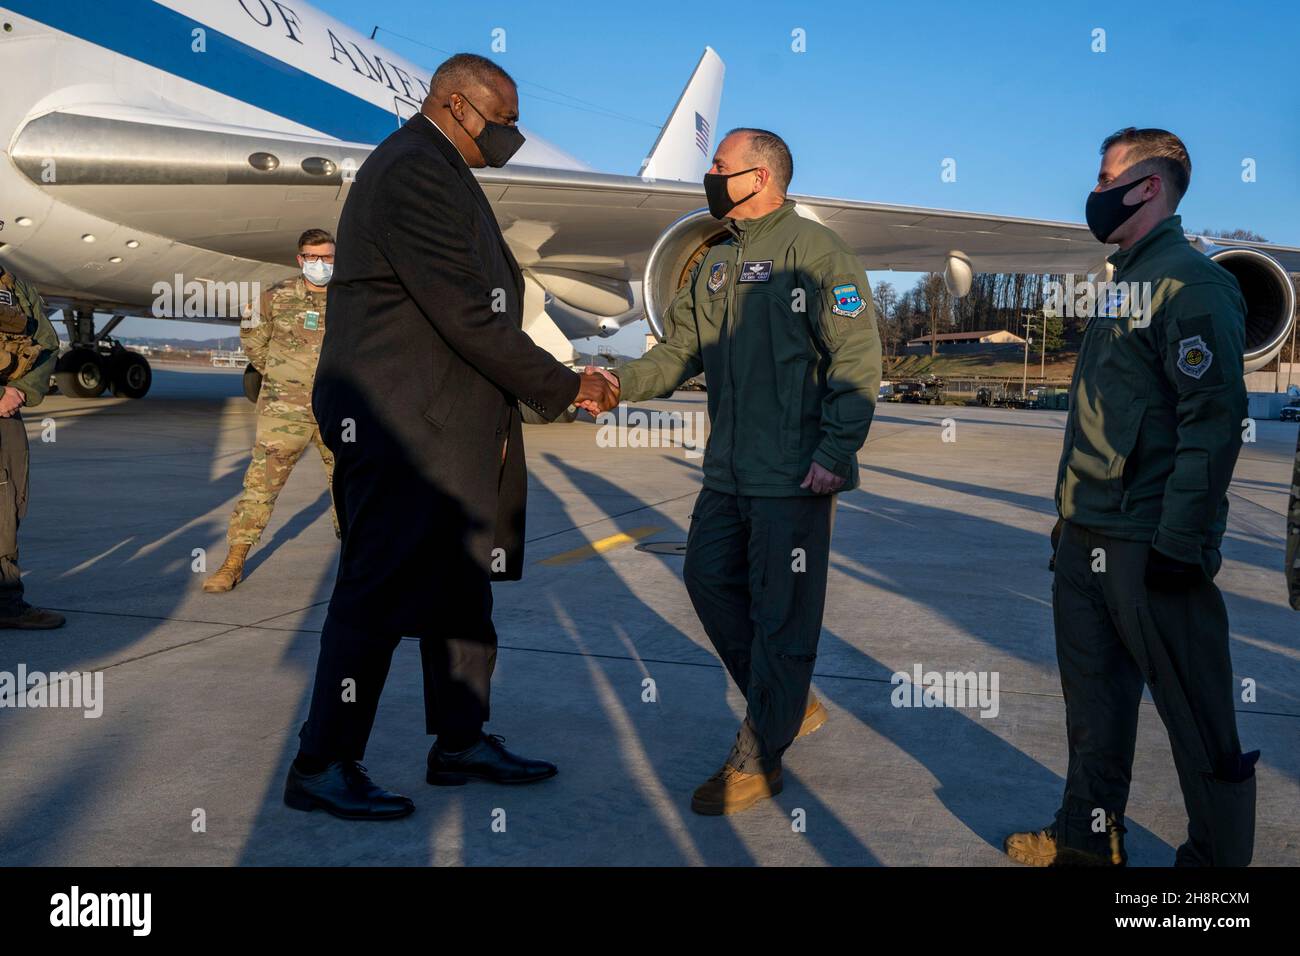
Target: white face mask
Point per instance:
(318, 272)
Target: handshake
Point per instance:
(598, 391)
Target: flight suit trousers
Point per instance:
(14, 455)
(1113, 635)
(278, 445)
(756, 574)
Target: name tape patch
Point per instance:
(756, 271)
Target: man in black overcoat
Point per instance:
(417, 394)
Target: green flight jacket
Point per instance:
(36, 383)
(780, 319)
(1157, 404)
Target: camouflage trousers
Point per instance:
(279, 444)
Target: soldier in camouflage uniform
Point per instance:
(28, 350)
(283, 340)
(1293, 534)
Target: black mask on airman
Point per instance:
(1106, 211)
(715, 190)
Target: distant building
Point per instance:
(998, 337)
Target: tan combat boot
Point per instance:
(813, 717)
(231, 571)
(1040, 849)
(730, 791)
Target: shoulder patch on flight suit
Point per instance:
(846, 301)
(1193, 352)
(1194, 357)
(756, 271)
(717, 276)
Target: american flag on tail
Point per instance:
(702, 134)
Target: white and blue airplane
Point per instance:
(157, 143)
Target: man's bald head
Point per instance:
(466, 93)
(762, 147)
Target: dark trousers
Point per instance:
(350, 675)
(1113, 635)
(14, 455)
(756, 574)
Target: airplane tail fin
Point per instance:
(684, 148)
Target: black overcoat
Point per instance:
(423, 364)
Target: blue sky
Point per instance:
(885, 92)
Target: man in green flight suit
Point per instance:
(1156, 415)
(29, 348)
(780, 318)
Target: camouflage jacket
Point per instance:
(36, 382)
(283, 339)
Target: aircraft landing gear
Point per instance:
(96, 362)
(80, 373)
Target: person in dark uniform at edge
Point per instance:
(417, 394)
(29, 348)
(1155, 426)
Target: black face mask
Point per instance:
(715, 189)
(1106, 211)
(497, 141)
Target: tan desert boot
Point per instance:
(814, 717)
(730, 791)
(1040, 849)
(231, 571)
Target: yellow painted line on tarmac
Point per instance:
(601, 546)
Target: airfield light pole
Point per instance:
(1042, 368)
(1024, 384)
(1290, 365)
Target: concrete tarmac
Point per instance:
(939, 561)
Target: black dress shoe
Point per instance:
(486, 760)
(345, 790)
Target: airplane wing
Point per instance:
(249, 194)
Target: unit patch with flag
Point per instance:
(717, 276)
(756, 271)
(1194, 357)
(847, 301)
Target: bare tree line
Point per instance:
(997, 300)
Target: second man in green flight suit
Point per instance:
(1157, 408)
(780, 319)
